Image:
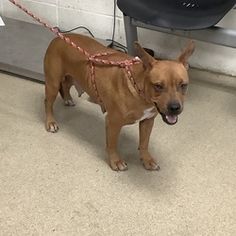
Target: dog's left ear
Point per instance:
(187, 52)
(144, 56)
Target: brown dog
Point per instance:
(163, 85)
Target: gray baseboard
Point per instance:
(22, 48)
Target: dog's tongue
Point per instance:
(171, 119)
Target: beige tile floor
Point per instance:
(60, 184)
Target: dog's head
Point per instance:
(166, 82)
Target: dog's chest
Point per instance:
(147, 114)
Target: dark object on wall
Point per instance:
(177, 14)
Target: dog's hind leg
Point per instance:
(66, 85)
(51, 90)
(65, 90)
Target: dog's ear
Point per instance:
(144, 56)
(187, 52)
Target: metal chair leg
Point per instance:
(131, 34)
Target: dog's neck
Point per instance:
(140, 77)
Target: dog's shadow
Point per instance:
(87, 124)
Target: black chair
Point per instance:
(189, 18)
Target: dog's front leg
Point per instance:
(113, 128)
(145, 129)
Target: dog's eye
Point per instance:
(158, 87)
(184, 87)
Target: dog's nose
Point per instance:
(174, 107)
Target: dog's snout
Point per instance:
(174, 107)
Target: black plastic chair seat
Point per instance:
(179, 14)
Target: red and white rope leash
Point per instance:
(92, 59)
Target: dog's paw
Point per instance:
(119, 165)
(52, 127)
(69, 103)
(150, 164)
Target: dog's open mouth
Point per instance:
(168, 119)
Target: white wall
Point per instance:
(97, 16)
(1, 4)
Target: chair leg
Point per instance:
(131, 34)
